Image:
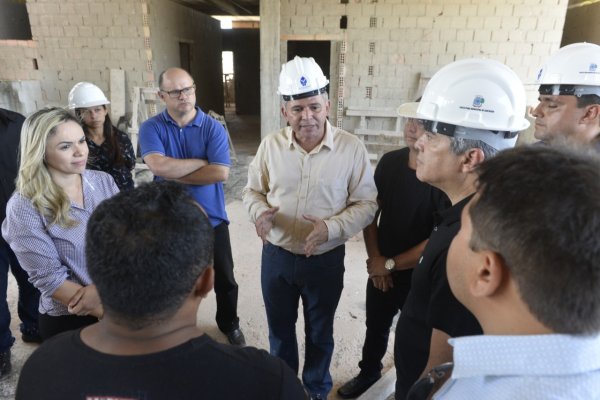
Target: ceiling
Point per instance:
(223, 7)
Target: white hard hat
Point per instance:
(301, 77)
(572, 70)
(85, 94)
(475, 99)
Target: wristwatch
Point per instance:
(390, 264)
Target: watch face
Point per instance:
(390, 264)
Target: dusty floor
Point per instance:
(349, 325)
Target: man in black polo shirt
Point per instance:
(10, 132)
(471, 109)
(394, 240)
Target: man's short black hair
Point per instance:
(145, 249)
(539, 208)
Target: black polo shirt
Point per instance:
(10, 133)
(407, 205)
(430, 303)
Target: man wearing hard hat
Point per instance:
(569, 107)
(310, 188)
(471, 109)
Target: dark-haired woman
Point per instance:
(110, 149)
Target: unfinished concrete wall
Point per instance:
(391, 47)
(19, 60)
(171, 24)
(81, 40)
(581, 24)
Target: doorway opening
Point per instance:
(320, 50)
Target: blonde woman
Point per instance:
(46, 218)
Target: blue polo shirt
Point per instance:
(203, 138)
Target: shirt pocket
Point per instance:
(330, 196)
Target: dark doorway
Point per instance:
(245, 45)
(185, 56)
(320, 50)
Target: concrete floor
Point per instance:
(349, 326)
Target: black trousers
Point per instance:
(50, 325)
(226, 288)
(381, 309)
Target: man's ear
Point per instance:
(490, 276)
(472, 158)
(283, 112)
(591, 114)
(205, 282)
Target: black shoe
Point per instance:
(236, 337)
(357, 386)
(5, 365)
(29, 337)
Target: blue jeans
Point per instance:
(29, 298)
(318, 281)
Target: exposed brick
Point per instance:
(465, 35)
(468, 10)
(499, 36)
(451, 10)
(504, 10)
(424, 22)
(527, 23)
(417, 10)
(408, 22)
(458, 22)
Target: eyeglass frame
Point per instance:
(176, 93)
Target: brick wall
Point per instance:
(81, 40)
(18, 60)
(77, 40)
(405, 42)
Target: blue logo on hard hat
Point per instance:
(593, 67)
(478, 101)
(540, 74)
(303, 81)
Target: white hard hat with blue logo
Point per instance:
(573, 70)
(477, 99)
(300, 78)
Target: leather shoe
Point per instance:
(357, 386)
(31, 337)
(5, 365)
(236, 337)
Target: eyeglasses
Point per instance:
(174, 94)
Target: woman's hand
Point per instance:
(86, 301)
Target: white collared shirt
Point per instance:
(333, 182)
(528, 367)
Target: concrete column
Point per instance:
(270, 64)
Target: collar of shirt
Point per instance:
(197, 121)
(452, 214)
(552, 354)
(327, 139)
(87, 188)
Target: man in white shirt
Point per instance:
(310, 188)
(526, 263)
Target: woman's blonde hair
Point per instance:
(34, 180)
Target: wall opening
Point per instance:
(185, 56)
(14, 21)
(320, 50)
(228, 81)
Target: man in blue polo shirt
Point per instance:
(183, 144)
